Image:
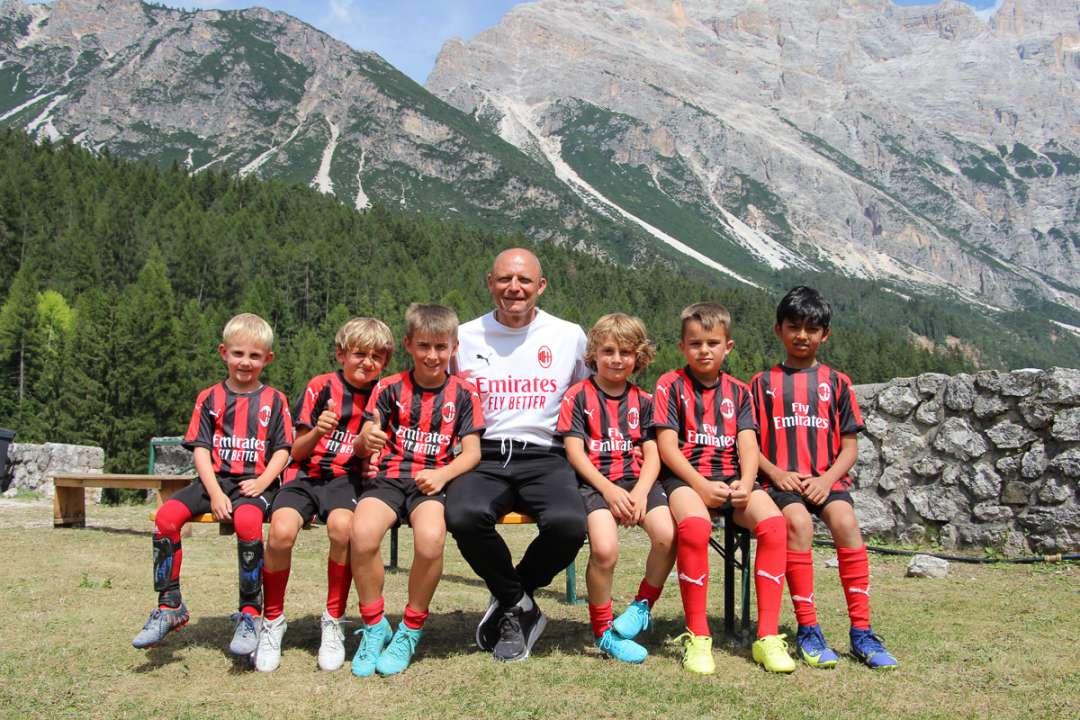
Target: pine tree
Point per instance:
(20, 349)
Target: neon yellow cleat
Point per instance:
(697, 653)
(771, 653)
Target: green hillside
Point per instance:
(116, 278)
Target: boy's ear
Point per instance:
(825, 335)
(221, 351)
(339, 354)
(269, 357)
(778, 330)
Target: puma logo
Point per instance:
(700, 582)
(485, 358)
(860, 591)
(770, 393)
(214, 413)
(778, 579)
(588, 412)
(800, 598)
(400, 406)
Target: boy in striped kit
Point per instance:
(707, 436)
(810, 422)
(240, 434)
(323, 482)
(413, 421)
(605, 422)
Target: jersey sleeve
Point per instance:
(666, 405)
(310, 405)
(847, 407)
(571, 418)
(281, 430)
(470, 413)
(381, 399)
(745, 411)
(757, 399)
(200, 431)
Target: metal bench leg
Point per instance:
(571, 585)
(744, 553)
(729, 576)
(69, 507)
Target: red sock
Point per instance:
(414, 619)
(372, 613)
(648, 593)
(247, 521)
(693, 563)
(600, 616)
(800, 577)
(855, 577)
(169, 521)
(338, 582)
(274, 582)
(770, 564)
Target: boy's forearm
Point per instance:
(766, 466)
(466, 460)
(204, 466)
(668, 442)
(650, 467)
(575, 453)
(305, 443)
(746, 441)
(849, 453)
(278, 462)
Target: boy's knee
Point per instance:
(281, 537)
(339, 528)
(428, 543)
(603, 555)
(799, 524)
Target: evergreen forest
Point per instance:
(116, 278)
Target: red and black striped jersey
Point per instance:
(241, 430)
(332, 455)
(423, 424)
(708, 419)
(802, 414)
(610, 426)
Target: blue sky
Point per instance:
(408, 33)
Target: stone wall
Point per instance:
(984, 460)
(32, 466)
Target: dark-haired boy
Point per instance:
(707, 437)
(809, 422)
(413, 420)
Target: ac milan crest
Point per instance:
(727, 408)
(544, 357)
(449, 412)
(264, 415)
(824, 392)
(633, 418)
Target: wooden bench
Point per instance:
(69, 498)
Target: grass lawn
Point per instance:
(989, 641)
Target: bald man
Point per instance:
(522, 360)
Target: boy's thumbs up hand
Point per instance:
(371, 439)
(328, 418)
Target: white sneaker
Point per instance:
(332, 647)
(268, 654)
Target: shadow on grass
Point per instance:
(212, 632)
(548, 593)
(118, 531)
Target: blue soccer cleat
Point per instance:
(868, 648)
(811, 647)
(162, 621)
(398, 654)
(633, 620)
(620, 648)
(373, 640)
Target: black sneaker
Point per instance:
(518, 632)
(487, 632)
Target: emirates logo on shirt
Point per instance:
(824, 392)
(633, 418)
(449, 412)
(264, 415)
(544, 357)
(727, 408)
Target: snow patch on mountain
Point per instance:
(262, 158)
(362, 202)
(322, 181)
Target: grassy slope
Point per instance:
(974, 645)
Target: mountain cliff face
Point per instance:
(264, 94)
(915, 144)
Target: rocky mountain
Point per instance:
(263, 94)
(921, 145)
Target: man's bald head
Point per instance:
(516, 281)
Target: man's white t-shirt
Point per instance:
(521, 373)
